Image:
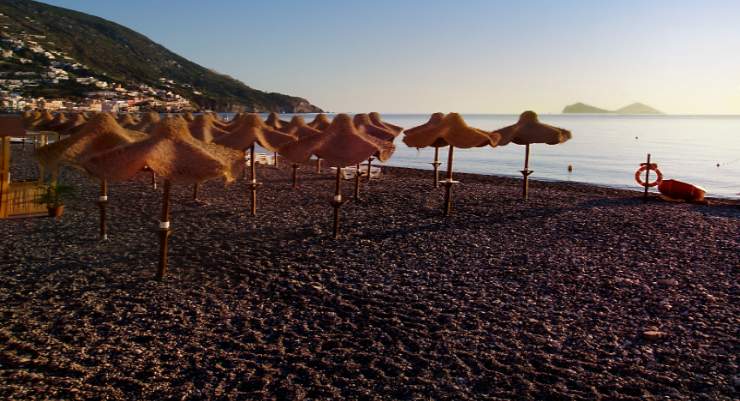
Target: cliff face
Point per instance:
(120, 55)
(634, 108)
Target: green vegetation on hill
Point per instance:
(127, 57)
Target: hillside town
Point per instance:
(29, 68)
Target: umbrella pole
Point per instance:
(448, 183)
(436, 164)
(195, 192)
(164, 231)
(337, 202)
(275, 159)
(253, 176)
(369, 163)
(647, 179)
(295, 175)
(357, 182)
(526, 173)
(154, 180)
(102, 203)
(318, 164)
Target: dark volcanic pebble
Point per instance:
(580, 293)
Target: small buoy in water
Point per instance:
(570, 168)
(717, 164)
(635, 137)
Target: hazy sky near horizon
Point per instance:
(477, 56)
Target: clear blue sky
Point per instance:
(469, 56)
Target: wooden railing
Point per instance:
(20, 199)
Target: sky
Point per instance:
(477, 56)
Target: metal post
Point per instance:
(164, 231)
(253, 177)
(647, 179)
(295, 175)
(436, 164)
(357, 182)
(195, 192)
(337, 201)
(526, 173)
(102, 203)
(448, 183)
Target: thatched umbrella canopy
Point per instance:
(529, 130)
(342, 144)
(378, 131)
(204, 128)
(99, 134)
(418, 137)
(126, 120)
(174, 154)
(147, 122)
(37, 118)
(299, 130)
(251, 131)
(59, 119)
(320, 122)
(377, 120)
(273, 120)
(71, 125)
(453, 131)
(188, 116)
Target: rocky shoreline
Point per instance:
(581, 293)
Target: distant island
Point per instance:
(634, 108)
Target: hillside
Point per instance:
(634, 108)
(36, 37)
(583, 108)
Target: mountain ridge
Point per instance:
(126, 57)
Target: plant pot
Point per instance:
(55, 211)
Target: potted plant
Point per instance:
(54, 196)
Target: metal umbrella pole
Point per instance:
(164, 231)
(526, 173)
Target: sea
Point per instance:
(605, 150)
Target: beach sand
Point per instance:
(580, 293)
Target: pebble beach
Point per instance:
(582, 292)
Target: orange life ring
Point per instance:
(644, 167)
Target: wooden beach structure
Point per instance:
(17, 199)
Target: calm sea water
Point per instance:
(605, 150)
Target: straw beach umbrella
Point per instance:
(529, 130)
(126, 120)
(273, 121)
(342, 144)
(298, 129)
(176, 156)
(99, 134)
(377, 120)
(453, 131)
(320, 122)
(380, 132)
(251, 131)
(204, 128)
(147, 122)
(417, 136)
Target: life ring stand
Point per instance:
(645, 167)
